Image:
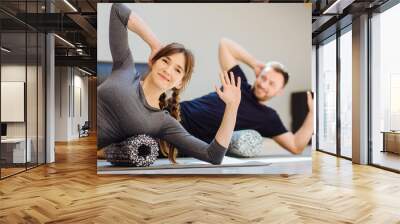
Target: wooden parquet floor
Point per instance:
(70, 191)
(10, 171)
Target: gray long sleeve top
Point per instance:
(122, 109)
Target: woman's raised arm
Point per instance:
(122, 17)
(213, 153)
(118, 35)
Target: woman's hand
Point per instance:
(154, 49)
(231, 95)
(231, 90)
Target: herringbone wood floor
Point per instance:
(69, 191)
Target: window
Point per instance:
(327, 96)
(346, 93)
(385, 89)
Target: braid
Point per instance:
(162, 102)
(172, 105)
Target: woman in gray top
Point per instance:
(129, 104)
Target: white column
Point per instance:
(50, 92)
(360, 90)
(50, 99)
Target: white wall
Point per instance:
(279, 32)
(66, 119)
(61, 103)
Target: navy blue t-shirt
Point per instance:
(202, 116)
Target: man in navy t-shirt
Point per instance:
(202, 116)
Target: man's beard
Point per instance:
(260, 99)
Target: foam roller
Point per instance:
(138, 151)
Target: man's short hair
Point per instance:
(278, 67)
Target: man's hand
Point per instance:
(296, 143)
(310, 102)
(258, 67)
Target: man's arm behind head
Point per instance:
(231, 54)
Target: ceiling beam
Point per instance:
(82, 61)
